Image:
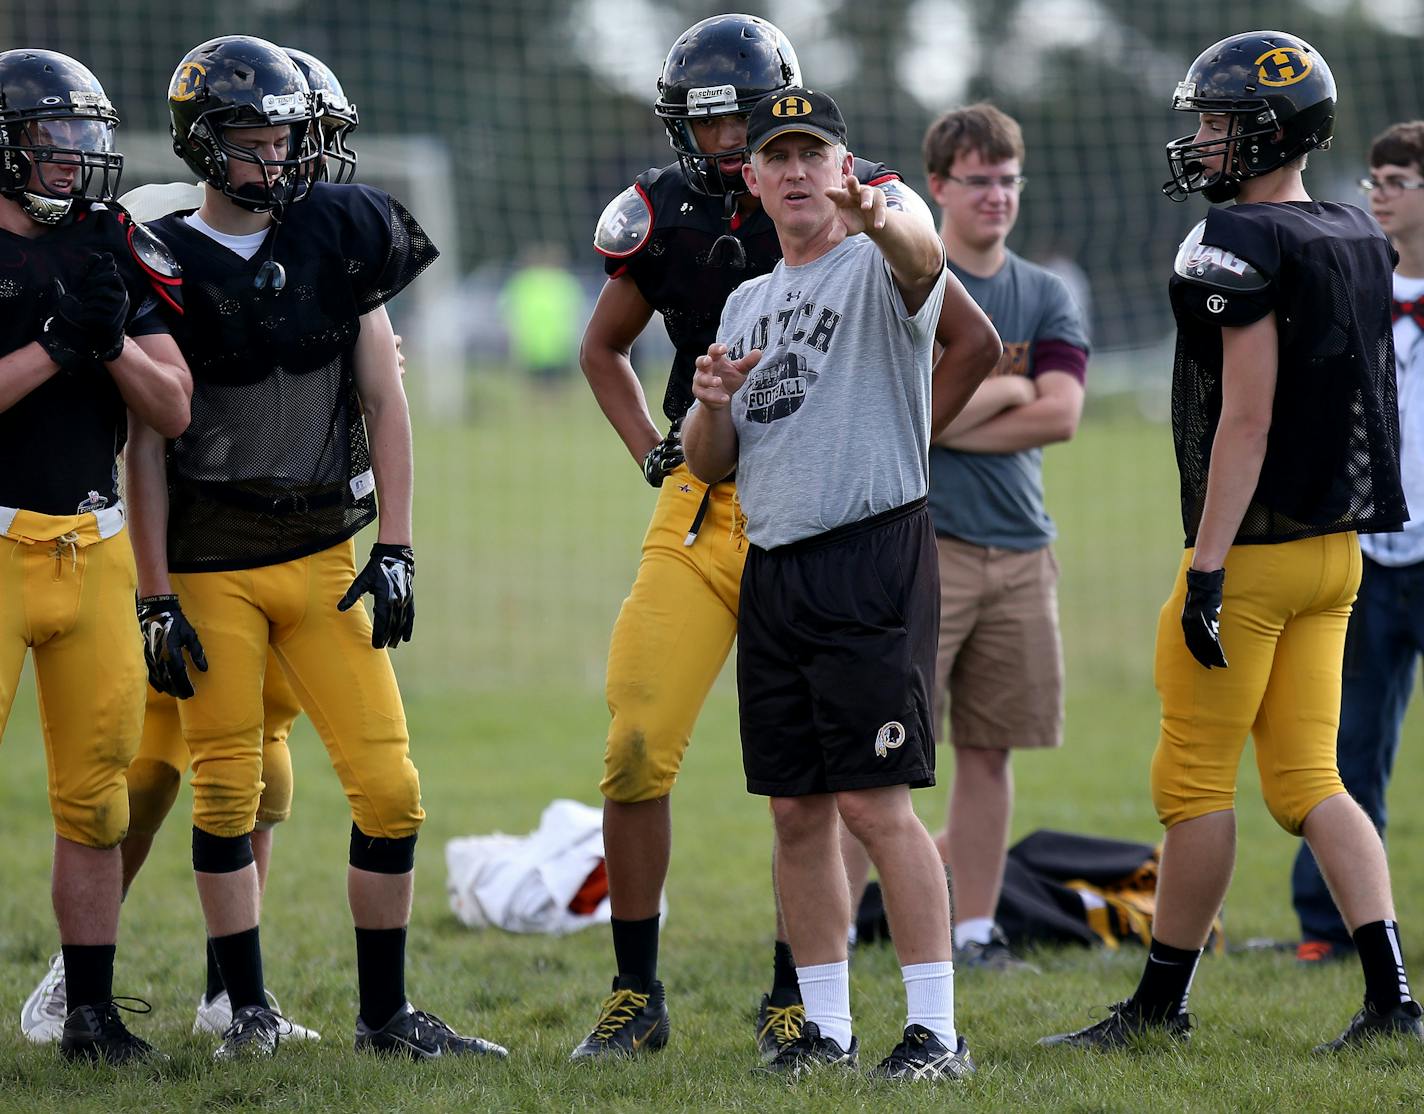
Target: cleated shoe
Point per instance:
(42, 1016)
(1121, 1028)
(922, 1055)
(810, 1051)
(418, 1035)
(216, 1015)
(629, 1022)
(97, 1033)
(255, 1031)
(993, 956)
(1368, 1026)
(777, 1026)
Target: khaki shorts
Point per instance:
(1000, 657)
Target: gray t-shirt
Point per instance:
(833, 423)
(996, 499)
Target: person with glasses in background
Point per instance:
(1386, 631)
(1000, 659)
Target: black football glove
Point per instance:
(88, 321)
(389, 576)
(663, 457)
(166, 634)
(1201, 617)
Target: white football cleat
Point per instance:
(42, 1015)
(216, 1016)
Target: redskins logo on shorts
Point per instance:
(890, 737)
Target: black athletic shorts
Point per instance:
(836, 644)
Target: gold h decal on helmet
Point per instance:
(791, 106)
(188, 81)
(1283, 66)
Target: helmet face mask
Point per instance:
(1278, 96)
(720, 67)
(336, 114)
(234, 83)
(56, 135)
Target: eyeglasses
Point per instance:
(1390, 185)
(1011, 182)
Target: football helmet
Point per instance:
(1280, 97)
(720, 67)
(56, 135)
(336, 113)
(240, 81)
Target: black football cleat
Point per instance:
(810, 1052)
(253, 1033)
(1123, 1027)
(418, 1035)
(922, 1055)
(630, 1023)
(1368, 1026)
(777, 1026)
(98, 1034)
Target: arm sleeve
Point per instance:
(389, 249)
(1061, 342)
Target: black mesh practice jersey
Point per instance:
(275, 464)
(58, 443)
(1332, 455)
(676, 276)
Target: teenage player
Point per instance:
(86, 355)
(1287, 440)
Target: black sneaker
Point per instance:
(421, 1036)
(97, 1033)
(1122, 1027)
(811, 1051)
(254, 1031)
(777, 1026)
(993, 956)
(922, 1055)
(629, 1022)
(1367, 1026)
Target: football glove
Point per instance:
(663, 457)
(88, 321)
(389, 576)
(1201, 617)
(166, 634)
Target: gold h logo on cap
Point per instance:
(791, 106)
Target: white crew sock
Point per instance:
(929, 998)
(974, 930)
(825, 992)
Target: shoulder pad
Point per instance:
(900, 196)
(153, 255)
(625, 224)
(1215, 267)
(156, 200)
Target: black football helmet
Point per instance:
(1280, 97)
(56, 135)
(336, 113)
(720, 67)
(240, 81)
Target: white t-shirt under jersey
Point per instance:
(245, 246)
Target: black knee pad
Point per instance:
(380, 855)
(220, 854)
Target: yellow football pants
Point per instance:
(346, 688)
(1283, 625)
(67, 595)
(672, 636)
(158, 768)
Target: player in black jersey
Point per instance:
(299, 416)
(86, 360)
(679, 241)
(1286, 431)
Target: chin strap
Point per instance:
(737, 255)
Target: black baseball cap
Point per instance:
(795, 110)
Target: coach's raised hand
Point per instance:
(858, 208)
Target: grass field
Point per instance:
(529, 520)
